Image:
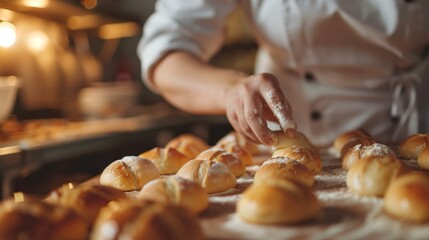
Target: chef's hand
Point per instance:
(252, 102)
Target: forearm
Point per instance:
(193, 85)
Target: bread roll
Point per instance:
(188, 144)
(346, 137)
(356, 141)
(168, 160)
(212, 176)
(131, 219)
(40, 221)
(372, 175)
(178, 191)
(303, 155)
(284, 141)
(278, 201)
(423, 158)
(360, 151)
(235, 138)
(407, 197)
(284, 168)
(244, 155)
(129, 173)
(410, 147)
(229, 159)
(88, 199)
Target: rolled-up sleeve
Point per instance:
(195, 26)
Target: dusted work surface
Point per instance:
(345, 215)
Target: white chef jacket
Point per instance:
(337, 61)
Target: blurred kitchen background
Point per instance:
(80, 102)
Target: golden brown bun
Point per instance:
(188, 144)
(423, 158)
(212, 176)
(129, 173)
(410, 148)
(88, 199)
(284, 168)
(356, 141)
(40, 221)
(346, 137)
(229, 159)
(360, 151)
(407, 197)
(178, 191)
(303, 155)
(372, 175)
(278, 201)
(244, 155)
(234, 137)
(284, 141)
(131, 219)
(168, 160)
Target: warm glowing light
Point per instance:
(35, 3)
(18, 197)
(70, 185)
(83, 22)
(37, 41)
(6, 15)
(118, 30)
(89, 4)
(7, 34)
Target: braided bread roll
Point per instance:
(188, 144)
(167, 160)
(212, 176)
(178, 191)
(284, 168)
(131, 219)
(411, 147)
(360, 151)
(303, 155)
(229, 159)
(129, 173)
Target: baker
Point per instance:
(338, 64)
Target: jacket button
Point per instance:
(315, 115)
(309, 77)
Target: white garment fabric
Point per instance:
(335, 59)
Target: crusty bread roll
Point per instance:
(303, 155)
(131, 219)
(178, 191)
(360, 151)
(346, 137)
(423, 158)
(212, 176)
(168, 160)
(411, 146)
(278, 201)
(407, 197)
(229, 159)
(40, 221)
(234, 137)
(129, 173)
(372, 175)
(188, 144)
(244, 155)
(88, 199)
(284, 168)
(356, 141)
(284, 141)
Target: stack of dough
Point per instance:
(131, 219)
(416, 147)
(309, 158)
(40, 221)
(188, 144)
(349, 139)
(407, 197)
(212, 176)
(129, 173)
(360, 151)
(278, 201)
(284, 168)
(178, 191)
(168, 160)
(88, 199)
(229, 159)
